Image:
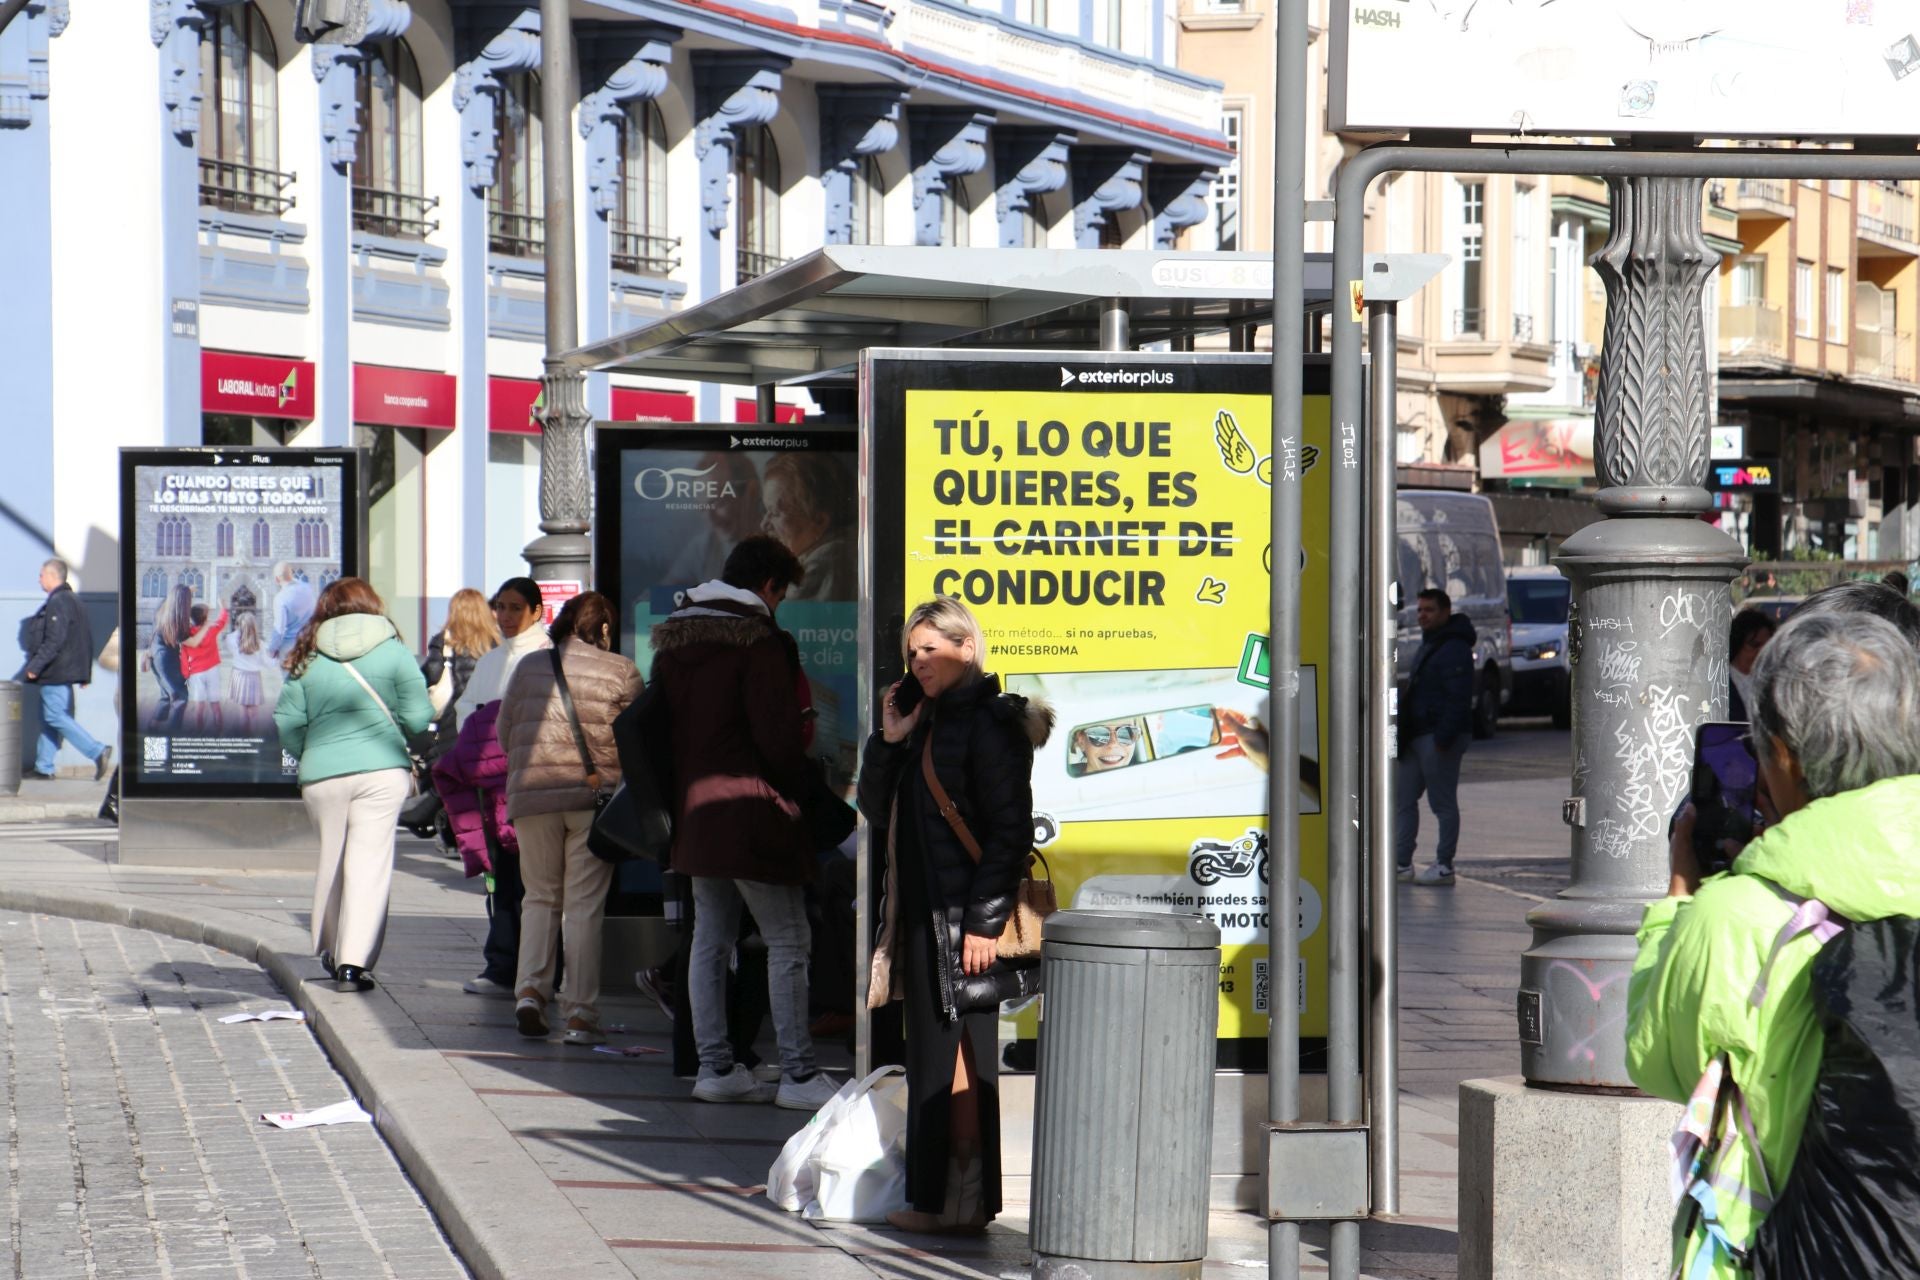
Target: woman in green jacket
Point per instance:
(352, 698)
(1836, 729)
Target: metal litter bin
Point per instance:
(12, 734)
(1123, 1096)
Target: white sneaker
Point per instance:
(485, 986)
(1435, 874)
(738, 1085)
(1404, 875)
(807, 1095)
(767, 1073)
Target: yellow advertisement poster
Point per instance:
(1109, 527)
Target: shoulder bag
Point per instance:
(1035, 899)
(419, 779)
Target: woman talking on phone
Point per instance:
(948, 726)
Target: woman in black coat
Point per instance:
(941, 912)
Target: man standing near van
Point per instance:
(1434, 731)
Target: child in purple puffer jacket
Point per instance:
(472, 781)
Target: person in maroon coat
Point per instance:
(727, 673)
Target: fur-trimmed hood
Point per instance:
(715, 613)
(1034, 716)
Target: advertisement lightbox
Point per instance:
(223, 554)
(1714, 68)
(1106, 517)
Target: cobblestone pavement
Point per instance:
(134, 1140)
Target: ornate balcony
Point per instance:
(244, 188)
(645, 255)
(394, 213)
(516, 235)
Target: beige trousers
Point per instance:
(355, 816)
(565, 883)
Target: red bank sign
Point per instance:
(256, 386)
(388, 397)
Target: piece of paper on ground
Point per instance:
(347, 1112)
(627, 1050)
(268, 1015)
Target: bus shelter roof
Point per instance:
(811, 318)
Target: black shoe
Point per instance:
(103, 765)
(350, 977)
(326, 962)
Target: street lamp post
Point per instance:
(1647, 637)
(562, 552)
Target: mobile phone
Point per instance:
(1725, 779)
(908, 695)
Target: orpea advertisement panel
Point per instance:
(225, 553)
(1106, 518)
(673, 500)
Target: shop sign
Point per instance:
(1748, 474)
(512, 404)
(1727, 442)
(553, 595)
(384, 396)
(1106, 519)
(256, 386)
(638, 404)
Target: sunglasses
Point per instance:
(1100, 735)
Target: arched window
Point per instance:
(514, 204)
(223, 537)
(173, 536)
(387, 178)
(153, 583)
(262, 539)
(330, 577)
(194, 580)
(756, 180)
(240, 128)
(640, 241)
(869, 191)
(310, 538)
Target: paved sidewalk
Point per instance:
(546, 1160)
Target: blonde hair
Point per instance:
(470, 629)
(246, 634)
(951, 619)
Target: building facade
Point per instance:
(245, 239)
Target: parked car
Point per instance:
(1538, 598)
(1451, 541)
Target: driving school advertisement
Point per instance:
(226, 552)
(1106, 518)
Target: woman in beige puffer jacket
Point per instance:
(550, 798)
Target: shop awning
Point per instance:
(811, 318)
(1547, 449)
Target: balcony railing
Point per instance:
(1883, 353)
(645, 255)
(1752, 329)
(244, 188)
(394, 213)
(1468, 322)
(1886, 212)
(1522, 328)
(751, 265)
(1762, 192)
(516, 235)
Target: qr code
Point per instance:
(156, 750)
(1262, 986)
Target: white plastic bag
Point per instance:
(849, 1163)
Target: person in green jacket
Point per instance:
(353, 697)
(1836, 729)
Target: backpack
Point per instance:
(1851, 1207)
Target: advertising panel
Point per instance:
(1106, 518)
(672, 501)
(1722, 68)
(223, 555)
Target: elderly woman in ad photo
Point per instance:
(808, 508)
(948, 731)
(1770, 997)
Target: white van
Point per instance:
(1450, 540)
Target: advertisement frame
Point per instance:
(353, 544)
(885, 380)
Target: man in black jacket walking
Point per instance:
(59, 646)
(1435, 728)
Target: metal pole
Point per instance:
(1583, 940)
(1383, 958)
(1283, 622)
(766, 403)
(563, 553)
(1116, 326)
